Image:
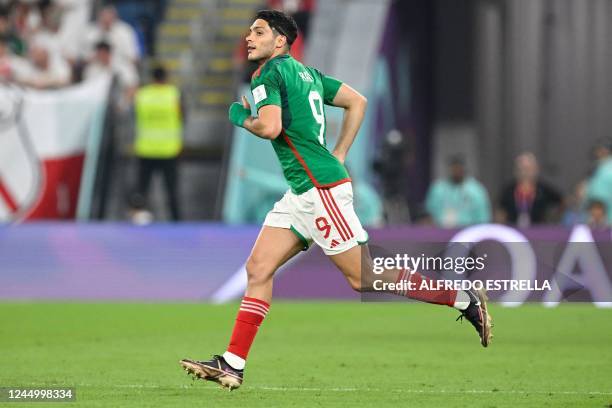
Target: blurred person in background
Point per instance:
(159, 127)
(597, 214)
(527, 200)
(42, 70)
(6, 58)
(389, 165)
(46, 33)
(53, 34)
(600, 184)
(25, 18)
(120, 35)
(16, 44)
(144, 16)
(458, 200)
(74, 19)
(575, 211)
(103, 64)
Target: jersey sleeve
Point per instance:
(266, 90)
(330, 88)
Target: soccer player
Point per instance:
(290, 98)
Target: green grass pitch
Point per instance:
(311, 354)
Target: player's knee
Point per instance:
(258, 270)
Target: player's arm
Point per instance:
(354, 105)
(267, 125)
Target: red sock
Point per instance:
(251, 314)
(439, 297)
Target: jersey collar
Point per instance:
(278, 57)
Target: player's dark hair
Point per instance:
(159, 73)
(283, 23)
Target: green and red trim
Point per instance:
(311, 176)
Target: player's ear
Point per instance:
(281, 41)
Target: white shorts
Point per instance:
(325, 216)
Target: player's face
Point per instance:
(262, 41)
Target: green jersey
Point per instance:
(300, 91)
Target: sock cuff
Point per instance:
(257, 301)
(235, 361)
(252, 312)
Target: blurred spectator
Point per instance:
(104, 64)
(7, 31)
(527, 200)
(5, 60)
(458, 200)
(600, 184)
(121, 36)
(25, 18)
(46, 35)
(390, 167)
(74, 15)
(158, 137)
(598, 217)
(575, 206)
(42, 70)
(144, 16)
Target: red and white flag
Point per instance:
(43, 138)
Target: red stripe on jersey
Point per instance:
(299, 158)
(331, 216)
(348, 227)
(335, 183)
(8, 198)
(305, 166)
(335, 210)
(257, 72)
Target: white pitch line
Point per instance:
(353, 389)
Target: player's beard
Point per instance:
(264, 57)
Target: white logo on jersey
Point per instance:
(306, 76)
(259, 94)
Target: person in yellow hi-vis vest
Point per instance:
(159, 128)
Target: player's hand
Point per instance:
(239, 112)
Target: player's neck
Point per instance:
(271, 57)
